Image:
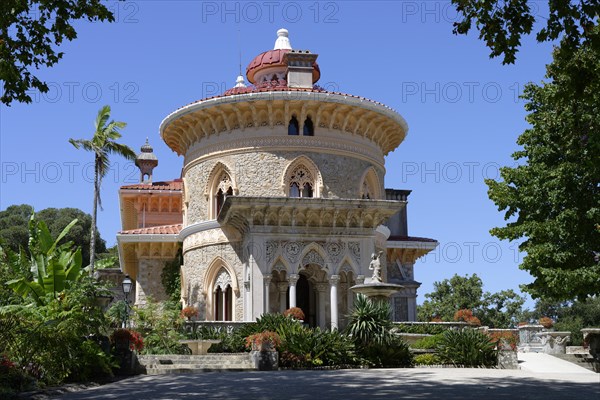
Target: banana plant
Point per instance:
(54, 267)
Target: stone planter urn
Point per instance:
(591, 339)
(529, 340)
(554, 342)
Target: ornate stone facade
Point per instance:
(282, 198)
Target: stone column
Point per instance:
(282, 286)
(248, 302)
(322, 288)
(293, 279)
(224, 304)
(267, 283)
(334, 280)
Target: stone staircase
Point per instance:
(179, 364)
(583, 359)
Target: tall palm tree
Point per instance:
(102, 145)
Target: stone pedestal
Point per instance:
(591, 340)
(265, 360)
(529, 340)
(507, 359)
(554, 342)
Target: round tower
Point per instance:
(283, 186)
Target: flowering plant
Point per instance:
(257, 340)
(189, 312)
(466, 316)
(510, 338)
(546, 322)
(294, 312)
(134, 338)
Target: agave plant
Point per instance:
(370, 322)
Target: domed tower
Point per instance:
(283, 192)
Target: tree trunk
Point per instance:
(94, 212)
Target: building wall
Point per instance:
(260, 173)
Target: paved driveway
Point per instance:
(416, 383)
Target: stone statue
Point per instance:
(375, 266)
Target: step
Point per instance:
(179, 363)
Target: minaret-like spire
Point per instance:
(283, 41)
(146, 161)
(239, 82)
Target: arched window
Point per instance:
(222, 189)
(293, 126)
(370, 186)
(301, 182)
(309, 129)
(223, 297)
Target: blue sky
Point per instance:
(462, 108)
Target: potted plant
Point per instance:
(189, 312)
(263, 341)
(295, 313)
(546, 322)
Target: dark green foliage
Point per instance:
(32, 30)
(552, 198)
(160, 325)
(502, 24)
(429, 342)
(14, 230)
(171, 277)
(371, 329)
(467, 348)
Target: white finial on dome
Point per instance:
(239, 82)
(283, 41)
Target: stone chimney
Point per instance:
(300, 68)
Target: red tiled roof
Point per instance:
(176, 184)
(399, 238)
(273, 58)
(155, 230)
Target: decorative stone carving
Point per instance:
(223, 280)
(354, 248)
(312, 257)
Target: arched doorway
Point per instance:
(305, 299)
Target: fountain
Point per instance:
(375, 288)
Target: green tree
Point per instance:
(552, 198)
(102, 144)
(451, 295)
(498, 310)
(31, 32)
(14, 231)
(502, 24)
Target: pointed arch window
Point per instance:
(309, 128)
(223, 297)
(301, 182)
(223, 187)
(293, 126)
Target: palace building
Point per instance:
(281, 200)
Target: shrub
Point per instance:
(501, 337)
(304, 347)
(467, 347)
(294, 312)
(189, 312)
(546, 322)
(394, 353)
(160, 325)
(427, 359)
(425, 328)
(429, 342)
(257, 340)
(466, 316)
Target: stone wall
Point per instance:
(149, 282)
(196, 263)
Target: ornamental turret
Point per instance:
(146, 161)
